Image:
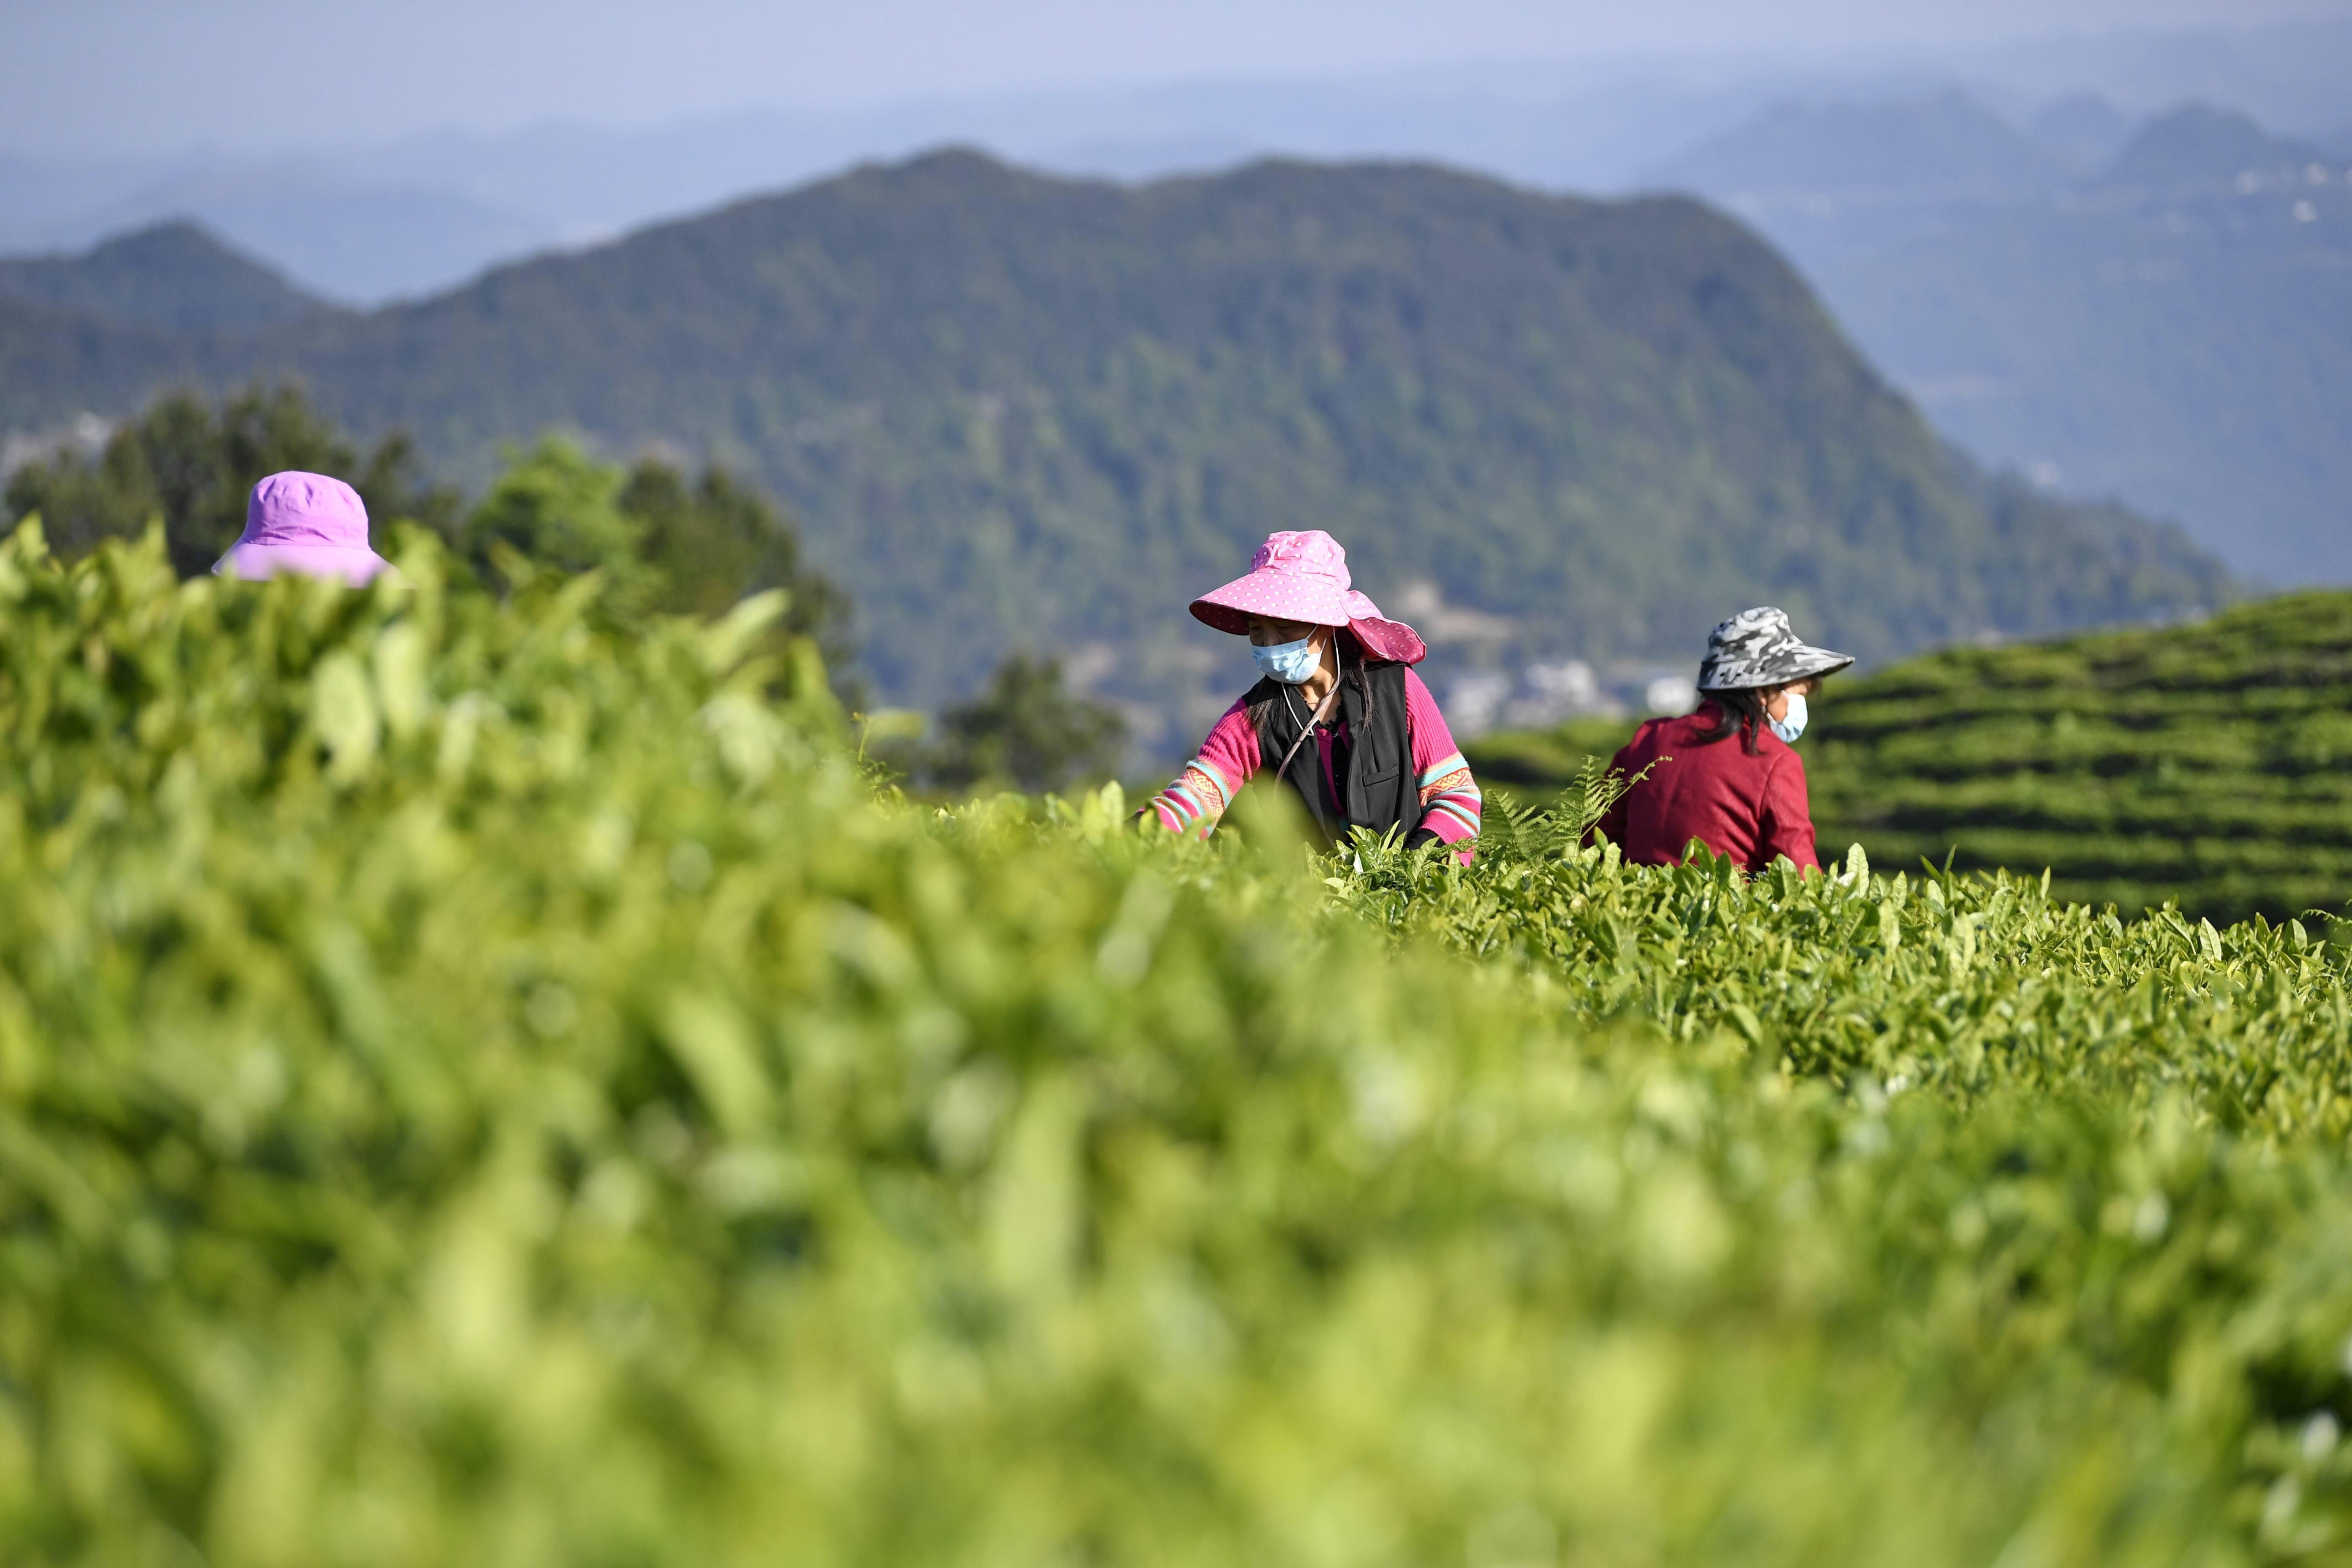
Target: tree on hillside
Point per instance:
(712, 539)
(667, 543)
(557, 507)
(192, 467)
(1026, 728)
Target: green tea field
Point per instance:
(2210, 765)
(496, 1082)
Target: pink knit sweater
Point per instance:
(1229, 759)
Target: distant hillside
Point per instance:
(1826, 180)
(2083, 128)
(2174, 329)
(362, 243)
(2195, 151)
(2209, 765)
(1018, 409)
(55, 363)
(107, 328)
(173, 276)
(2178, 334)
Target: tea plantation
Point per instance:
(489, 1082)
(2208, 766)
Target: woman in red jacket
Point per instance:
(1729, 775)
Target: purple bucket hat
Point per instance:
(1301, 575)
(306, 524)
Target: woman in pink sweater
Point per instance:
(1337, 713)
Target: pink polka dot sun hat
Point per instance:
(1301, 575)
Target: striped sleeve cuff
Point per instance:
(1207, 774)
(1194, 802)
(1457, 787)
(1444, 768)
(1450, 802)
(1452, 818)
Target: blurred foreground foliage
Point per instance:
(487, 1080)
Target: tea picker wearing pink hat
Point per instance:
(307, 524)
(1338, 713)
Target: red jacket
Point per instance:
(1752, 809)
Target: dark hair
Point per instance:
(1739, 711)
(1360, 673)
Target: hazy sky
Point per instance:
(109, 76)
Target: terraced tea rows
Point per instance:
(2209, 766)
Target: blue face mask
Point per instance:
(1791, 727)
(1289, 662)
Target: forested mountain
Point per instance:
(104, 330)
(56, 363)
(1015, 409)
(174, 275)
(2174, 327)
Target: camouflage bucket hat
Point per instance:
(1758, 648)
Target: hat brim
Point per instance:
(1802, 662)
(355, 566)
(1276, 595)
(1389, 639)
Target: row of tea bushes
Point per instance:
(1964, 986)
(2207, 765)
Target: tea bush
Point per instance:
(491, 1082)
(1962, 985)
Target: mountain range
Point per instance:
(1827, 180)
(400, 220)
(174, 276)
(1011, 409)
(2170, 323)
(2070, 274)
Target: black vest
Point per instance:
(1378, 790)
